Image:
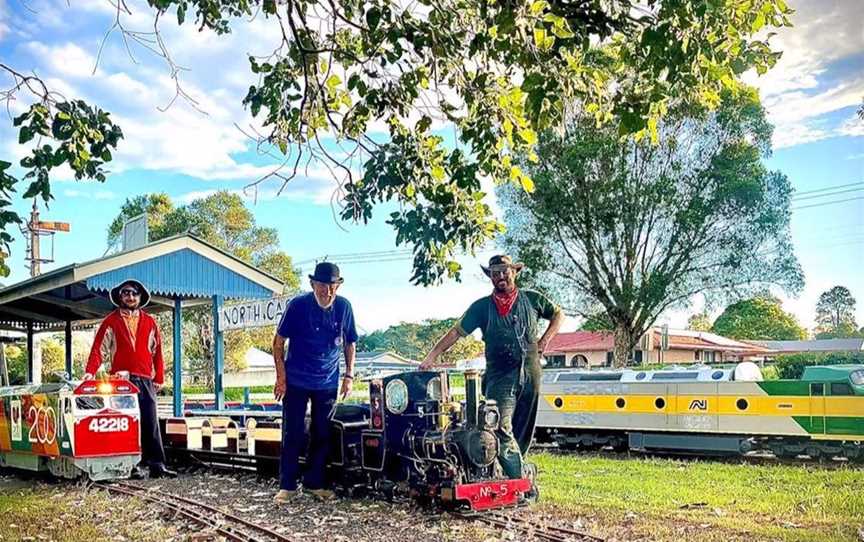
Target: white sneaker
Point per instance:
(285, 495)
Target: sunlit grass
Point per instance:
(730, 500)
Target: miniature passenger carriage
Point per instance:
(90, 429)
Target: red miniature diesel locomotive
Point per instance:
(89, 429)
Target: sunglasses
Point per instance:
(129, 291)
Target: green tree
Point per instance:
(16, 363)
(61, 132)
(637, 227)
(597, 321)
(53, 357)
(223, 220)
(699, 322)
(156, 206)
(499, 71)
(759, 318)
(413, 340)
(835, 314)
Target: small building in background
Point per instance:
(596, 349)
(260, 370)
(818, 346)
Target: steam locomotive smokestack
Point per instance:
(472, 397)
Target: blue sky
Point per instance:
(811, 96)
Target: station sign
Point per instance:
(52, 226)
(255, 313)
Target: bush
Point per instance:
(791, 366)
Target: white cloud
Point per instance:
(810, 80)
(68, 59)
(853, 126)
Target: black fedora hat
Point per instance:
(115, 293)
(327, 272)
(500, 262)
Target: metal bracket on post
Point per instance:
(218, 354)
(178, 358)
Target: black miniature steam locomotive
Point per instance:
(410, 439)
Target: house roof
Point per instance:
(820, 345)
(179, 267)
(590, 341)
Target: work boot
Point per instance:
(138, 473)
(323, 494)
(286, 495)
(160, 471)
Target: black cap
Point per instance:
(327, 272)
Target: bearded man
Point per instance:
(317, 325)
(508, 320)
(128, 339)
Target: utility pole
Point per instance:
(33, 232)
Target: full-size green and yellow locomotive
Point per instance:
(705, 409)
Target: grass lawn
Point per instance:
(33, 511)
(671, 499)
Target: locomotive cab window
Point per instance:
(817, 389)
(123, 401)
(89, 403)
(841, 388)
(857, 378)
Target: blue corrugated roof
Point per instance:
(183, 273)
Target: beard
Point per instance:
(323, 302)
(129, 306)
(503, 286)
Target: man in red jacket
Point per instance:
(129, 340)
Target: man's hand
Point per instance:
(158, 387)
(428, 363)
(279, 389)
(347, 386)
(88, 376)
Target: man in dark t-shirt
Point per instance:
(508, 320)
(318, 326)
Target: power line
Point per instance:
(828, 194)
(826, 189)
(822, 204)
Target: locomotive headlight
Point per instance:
(396, 396)
(105, 388)
(433, 389)
(491, 418)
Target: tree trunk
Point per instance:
(624, 343)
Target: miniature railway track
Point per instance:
(228, 525)
(530, 528)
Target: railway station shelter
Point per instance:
(179, 271)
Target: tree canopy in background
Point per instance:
(499, 72)
(224, 221)
(414, 341)
(699, 322)
(637, 227)
(759, 318)
(835, 314)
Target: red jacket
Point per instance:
(113, 344)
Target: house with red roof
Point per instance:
(595, 349)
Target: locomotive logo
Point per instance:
(699, 404)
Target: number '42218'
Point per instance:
(108, 425)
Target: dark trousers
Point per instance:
(152, 453)
(293, 436)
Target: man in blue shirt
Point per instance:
(317, 325)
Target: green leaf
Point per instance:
(437, 172)
(181, 13)
(373, 17)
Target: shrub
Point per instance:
(791, 366)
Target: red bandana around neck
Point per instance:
(504, 301)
